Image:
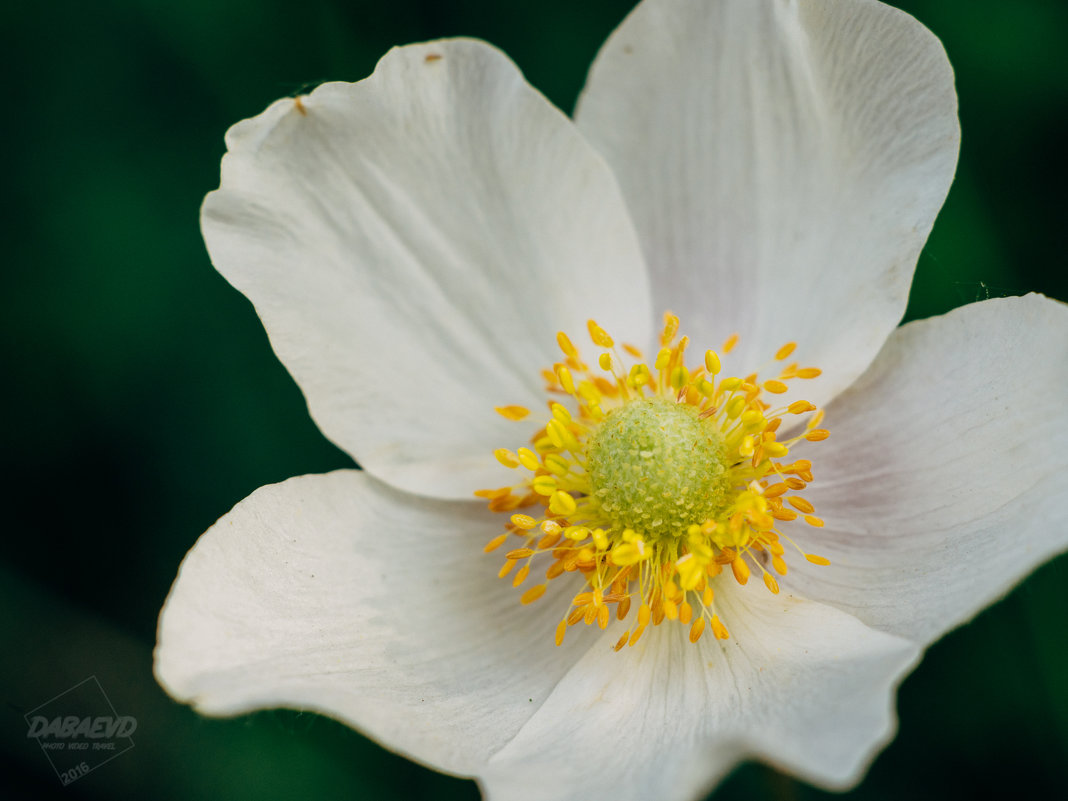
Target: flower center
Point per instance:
(657, 467)
(652, 481)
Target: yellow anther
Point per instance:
(551, 527)
(519, 553)
(818, 434)
(779, 565)
(728, 346)
(632, 350)
(746, 448)
(800, 407)
(785, 351)
(775, 387)
(564, 376)
(576, 533)
(680, 349)
(562, 503)
(753, 420)
(800, 504)
(512, 412)
(775, 450)
(533, 594)
(557, 465)
(740, 570)
(680, 376)
(524, 522)
(562, 437)
(730, 384)
(775, 490)
(771, 583)
(712, 362)
(671, 327)
(817, 560)
(697, 629)
(690, 572)
(706, 387)
(638, 376)
(560, 413)
(599, 335)
(718, 629)
(555, 432)
(662, 359)
(561, 630)
(565, 345)
(495, 543)
(685, 613)
(809, 372)
(548, 541)
(544, 485)
(605, 360)
(671, 610)
(521, 575)
(812, 520)
(506, 457)
(629, 553)
(600, 539)
(543, 445)
(735, 407)
(528, 458)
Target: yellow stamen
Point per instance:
(643, 485)
(599, 335)
(512, 412)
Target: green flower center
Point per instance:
(656, 467)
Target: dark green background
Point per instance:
(141, 399)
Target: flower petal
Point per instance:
(783, 161)
(799, 684)
(413, 243)
(339, 594)
(942, 484)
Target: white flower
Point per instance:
(414, 242)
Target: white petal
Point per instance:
(783, 161)
(943, 482)
(338, 594)
(412, 243)
(800, 685)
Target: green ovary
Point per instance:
(657, 468)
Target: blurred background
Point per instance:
(143, 400)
